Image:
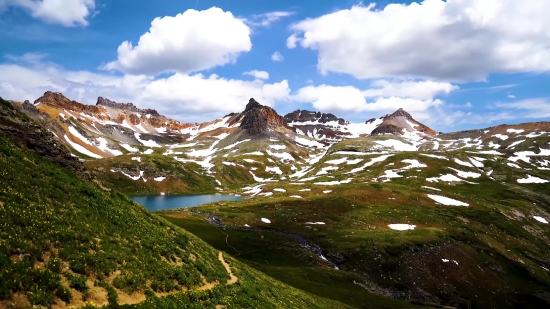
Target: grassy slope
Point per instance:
(63, 240)
(283, 259)
(181, 178)
(497, 249)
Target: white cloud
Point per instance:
(412, 89)
(266, 19)
(67, 13)
(351, 99)
(188, 42)
(511, 96)
(277, 56)
(469, 105)
(456, 40)
(535, 108)
(183, 97)
(27, 57)
(257, 74)
(291, 41)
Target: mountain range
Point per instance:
(388, 213)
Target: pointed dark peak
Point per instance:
(252, 103)
(258, 118)
(400, 113)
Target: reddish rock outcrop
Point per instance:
(58, 100)
(259, 118)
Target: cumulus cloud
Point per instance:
(67, 13)
(413, 89)
(187, 98)
(277, 56)
(188, 42)
(453, 40)
(266, 19)
(385, 97)
(257, 74)
(511, 96)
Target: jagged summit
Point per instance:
(101, 101)
(310, 116)
(258, 119)
(58, 100)
(400, 113)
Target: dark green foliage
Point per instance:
(49, 212)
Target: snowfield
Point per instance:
(446, 201)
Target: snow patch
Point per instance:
(515, 131)
(434, 156)
(435, 189)
(446, 201)
(129, 148)
(149, 143)
(401, 227)
(540, 219)
(532, 179)
(81, 149)
(463, 163)
(274, 169)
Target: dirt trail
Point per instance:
(233, 278)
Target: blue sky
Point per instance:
(453, 65)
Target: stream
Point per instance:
(301, 240)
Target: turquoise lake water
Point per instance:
(162, 202)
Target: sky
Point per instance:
(454, 65)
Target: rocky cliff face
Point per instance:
(129, 107)
(259, 119)
(26, 132)
(307, 116)
(58, 100)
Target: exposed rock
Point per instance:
(398, 123)
(258, 118)
(57, 99)
(304, 116)
(387, 129)
(134, 119)
(130, 107)
(25, 132)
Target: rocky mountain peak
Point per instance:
(101, 101)
(400, 113)
(252, 103)
(57, 99)
(258, 118)
(400, 122)
(305, 116)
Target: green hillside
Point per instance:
(494, 244)
(66, 242)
